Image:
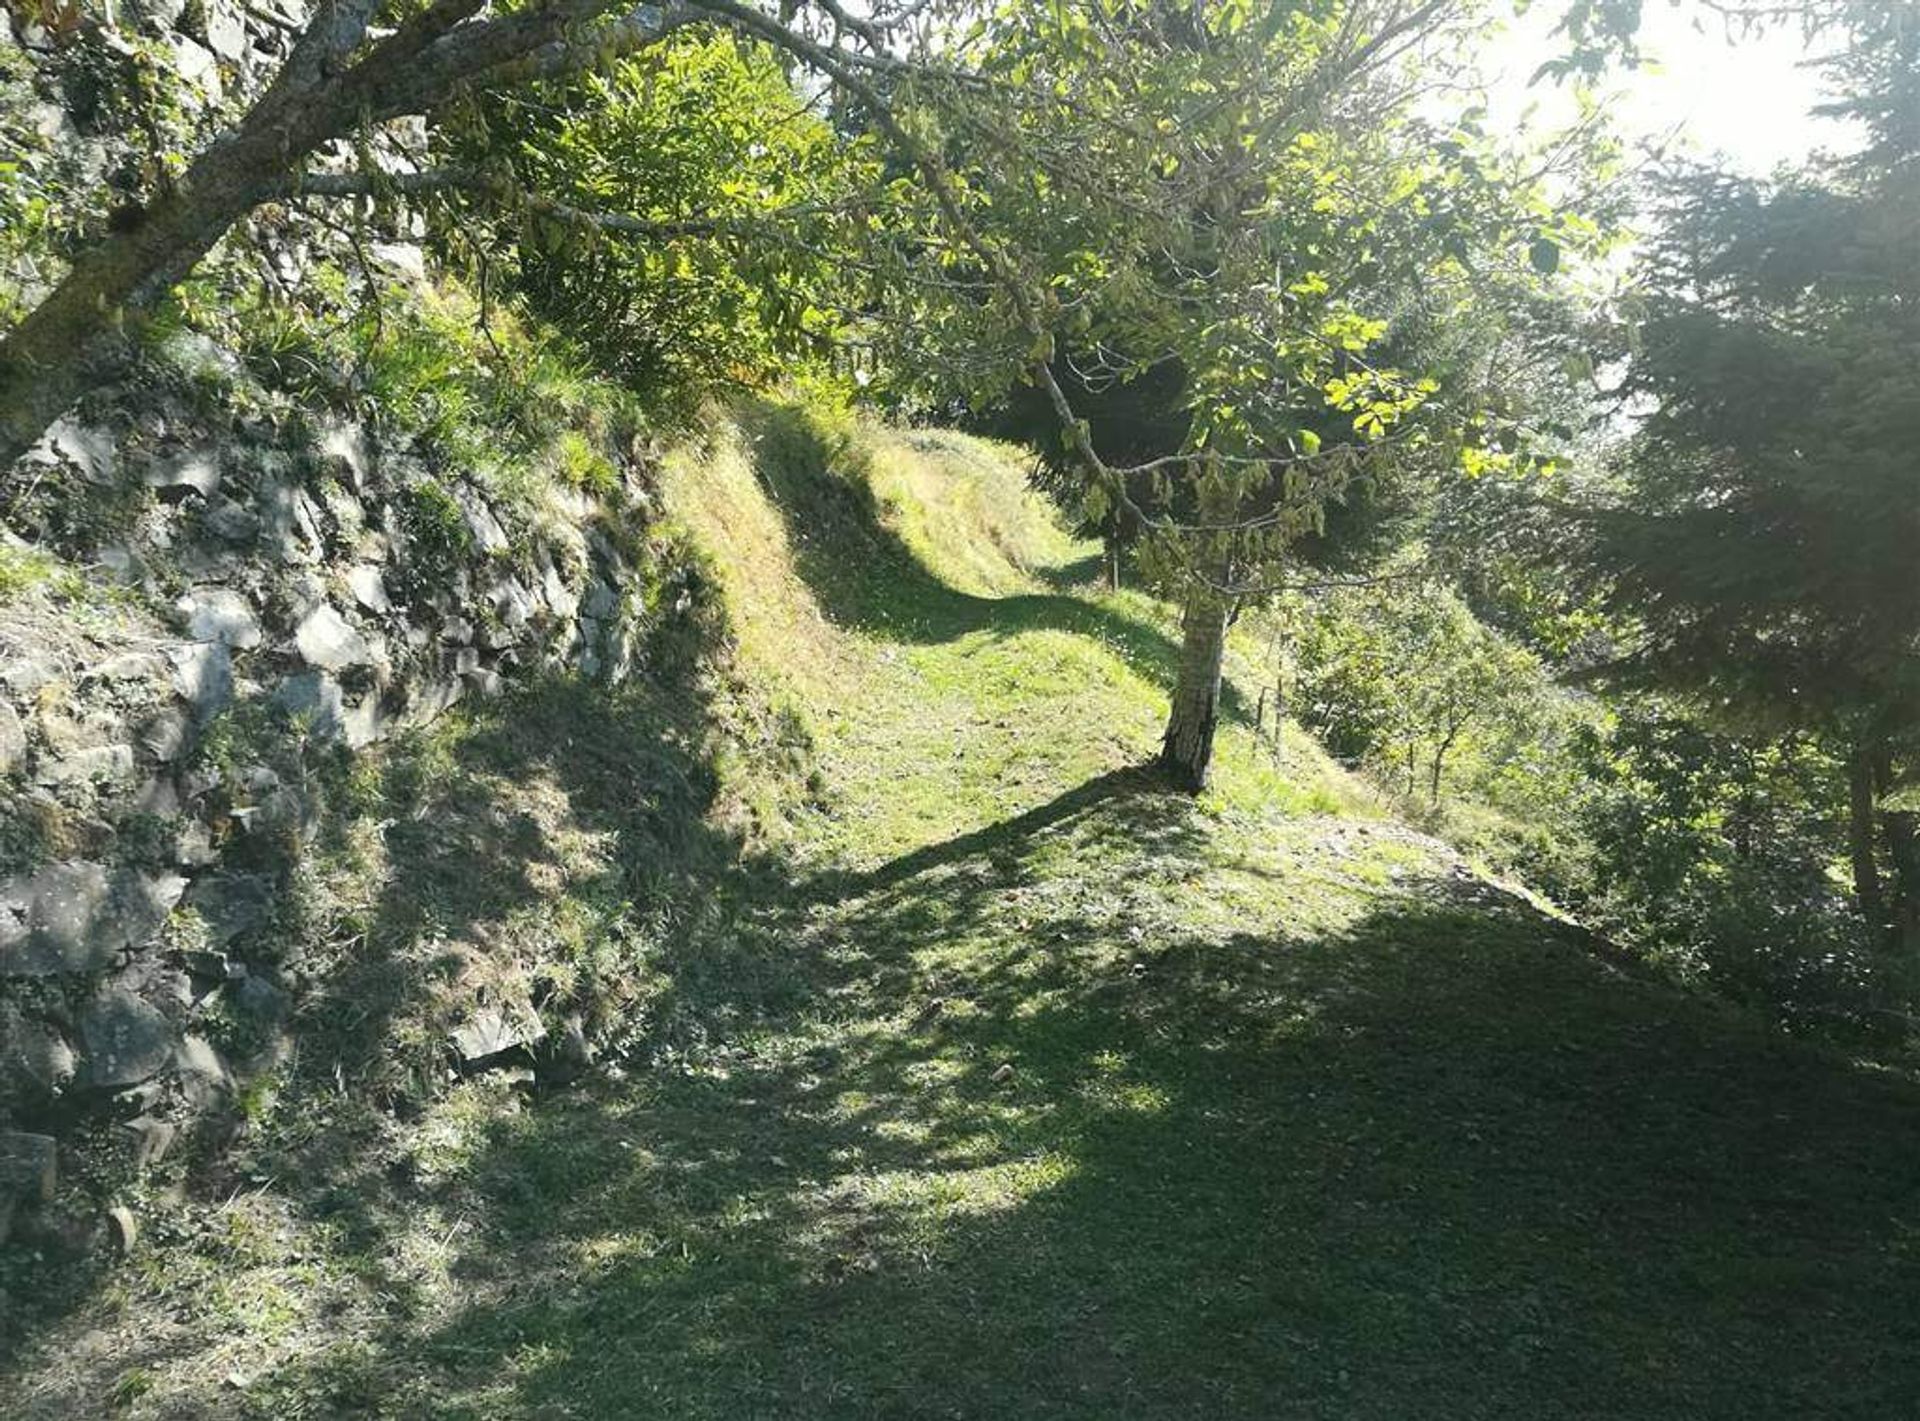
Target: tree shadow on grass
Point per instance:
(534, 850)
(1437, 1164)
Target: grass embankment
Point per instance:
(993, 1082)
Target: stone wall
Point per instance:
(200, 590)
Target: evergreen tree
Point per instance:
(1763, 539)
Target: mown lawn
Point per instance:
(998, 1083)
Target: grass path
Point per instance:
(1004, 1085)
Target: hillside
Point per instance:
(974, 1076)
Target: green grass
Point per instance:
(988, 1080)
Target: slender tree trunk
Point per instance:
(1860, 841)
(1903, 859)
(1186, 754)
(1440, 753)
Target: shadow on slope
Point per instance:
(539, 849)
(864, 576)
(1438, 1164)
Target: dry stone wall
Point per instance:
(220, 585)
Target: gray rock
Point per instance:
(193, 845)
(226, 34)
(54, 921)
(29, 1164)
(124, 1228)
(13, 740)
(260, 1000)
(313, 698)
(129, 666)
(456, 631)
(306, 589)
(403, 259)
(125, 564)
(29, 1171)
(196, 65)
(366, 721)
(167, 733)
(124, 1040)
(330, 642)
(276, 503)
(64, 731)
(601, 601)
(233, 522)
(144, 901)
(432, 699)
(559, 597)
(346, 444)
(204, 1078)
(203, 675)
(284, 810)
(148, 1139)
(27, 675)
(34, 1051)
(195, 355)
(349, 515)
(192, 471)
(76, 917)
(92, 453)
(490, 1031)
(219, 614)
(231, 905)
(512, 601)
(50, 121)
(156, 16)
(158, 795)
(369, 588)
(488, 536)
(102, 765)
(306, 518)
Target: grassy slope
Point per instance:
(1003, 1085)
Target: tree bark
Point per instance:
(1186, 753)
(1860, 841)
(48, 359)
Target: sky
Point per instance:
(1745, 98)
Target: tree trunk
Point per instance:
(1113, 554)
(1903, 859)
(115, 285)
(1186, 754)
(48, 360)
(1440, 753)
(1860, 841)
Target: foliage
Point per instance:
(1403, 677)
(1756, 539)
(1231, 221)
(1720, 856)
(736, 193)
(1762, 533)
(484, 388)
